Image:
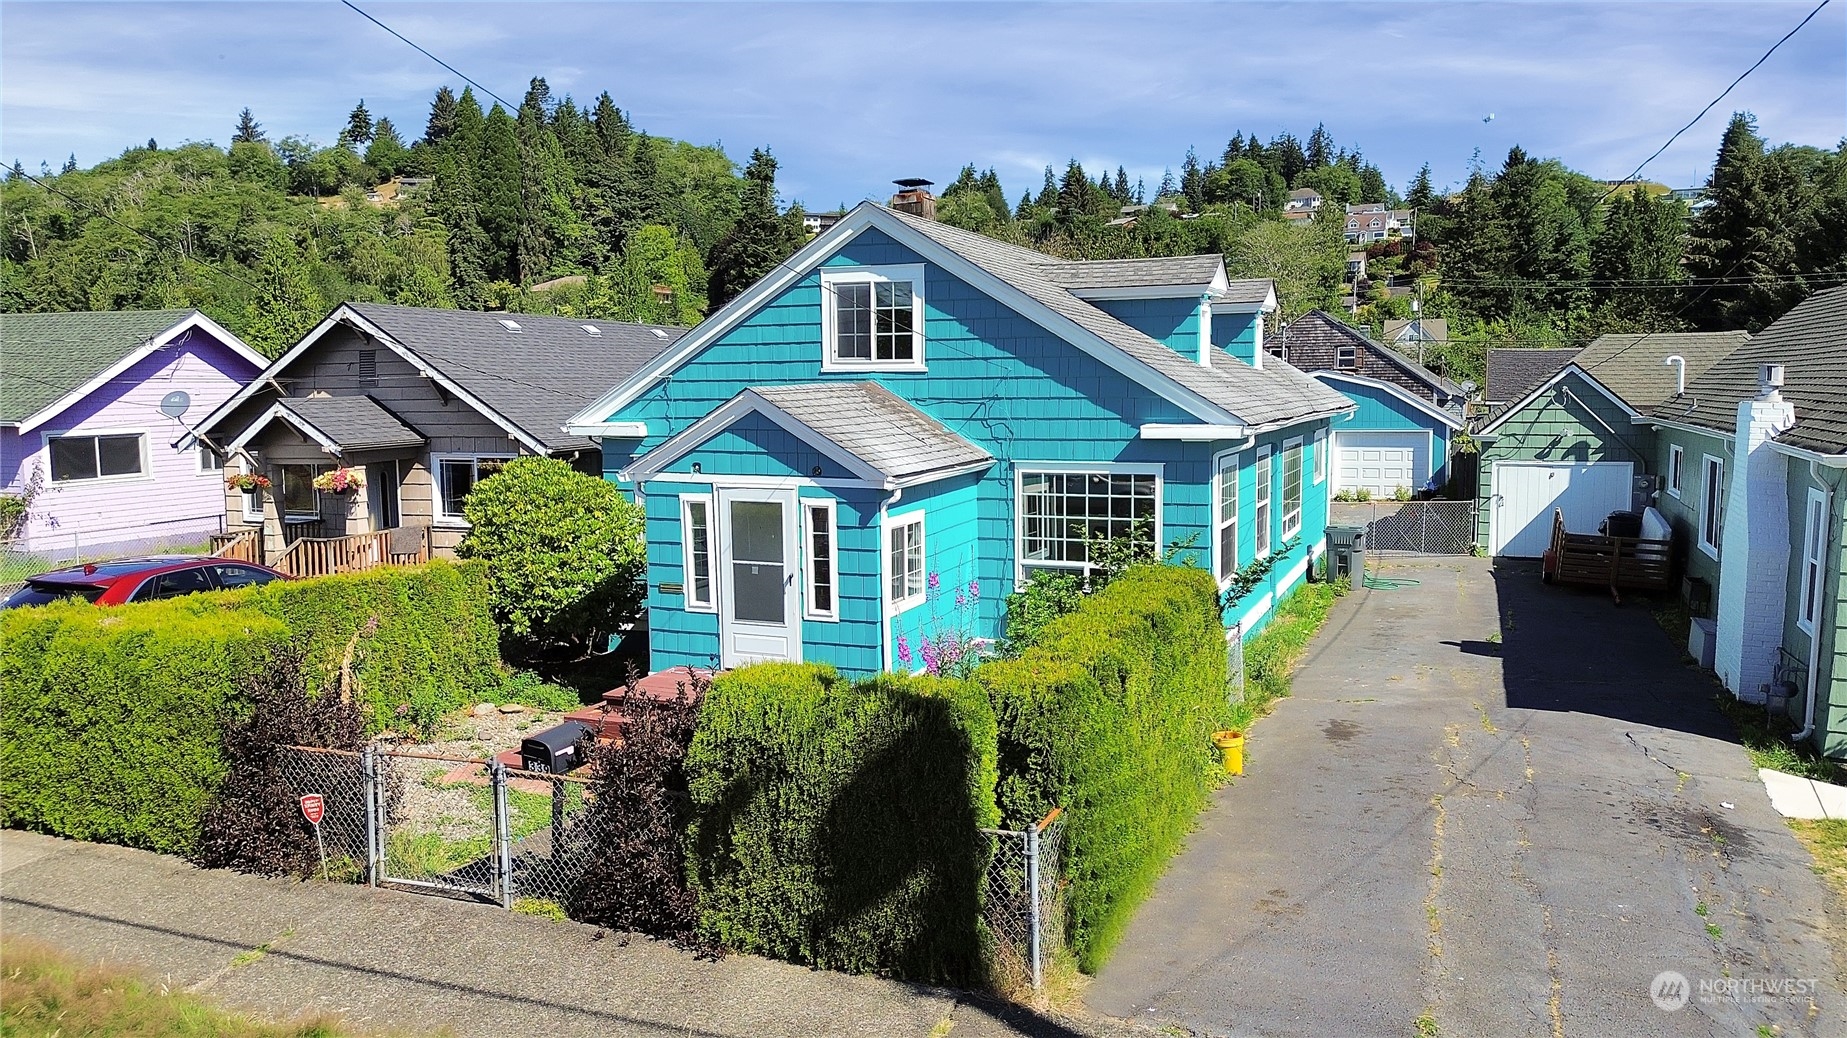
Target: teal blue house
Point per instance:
(856, 460)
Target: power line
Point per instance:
(510, 106)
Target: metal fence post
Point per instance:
(1032, 893)
(368, 770)
(503, 850)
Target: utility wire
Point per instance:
(510, 106)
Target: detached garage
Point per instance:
(1392, 440)
(1527, 493)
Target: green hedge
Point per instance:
(111, 719)
(835, 823)
(1110, 715)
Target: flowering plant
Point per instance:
(947, 648)
(340, 481)
(246, 481)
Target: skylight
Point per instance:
(591, 329)
(512, 326)
(658, 333)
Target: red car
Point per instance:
(141, 580)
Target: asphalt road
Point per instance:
(1490, 809)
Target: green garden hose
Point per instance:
(1376, 583)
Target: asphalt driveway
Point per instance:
(1490, 808)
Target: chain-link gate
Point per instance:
(1425, 527)
(1025, 905)
(552, 837)
(447, 832)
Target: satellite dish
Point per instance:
(175, 403)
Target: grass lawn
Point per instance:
(1271, 657)
(1827, 844)
(46, 992)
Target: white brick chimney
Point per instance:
(1754, 545)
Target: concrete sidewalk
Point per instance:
(409, 963)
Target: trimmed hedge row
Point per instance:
(835, 823)
(1109, 715)
(112, 719)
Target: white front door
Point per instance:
(759, 616)
(1526, 493)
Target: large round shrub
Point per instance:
(564, 552)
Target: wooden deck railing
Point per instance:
(320, 556)
(244, 547)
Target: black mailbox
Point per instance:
(555, 750)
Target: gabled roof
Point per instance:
(524, 372)
(1512, 373)
(1320, 328)
(1810, 341)
(341, 424)
(1491, 428)
(1257, 292)
(1434, 329)
(1023, 280)
(1176, 271)
(868, 429)
(1636, 369)
(1446, 417)
(50, 361)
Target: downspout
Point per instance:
(885, 584)
(1814, 680)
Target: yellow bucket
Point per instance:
(1232, 744)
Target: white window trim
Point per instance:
(894, 523)
(1264, 480)
(202, 452)
(911, 272)
(1347, 358)
(1711, 503)
(1321, 456)
(251, 496)
(1226, 461)
(147, 467)
(1021, 469)
(1810, 585)
(1294, 443)
(694, 605)
(1676, 469)
(809, 507)
(437, 516)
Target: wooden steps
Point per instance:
(663, 686)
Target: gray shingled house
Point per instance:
(424, 402)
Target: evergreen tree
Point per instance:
(17, 172)
(1290, 161)
(1120, 190)
(248, 131)
(358, 130)
(1166, 188)
(453, 199)
(1020, 212)
(1743, 237)
(989, 183)
(497, 178)
(1074, 193)
(444, 113)
(1048, 192)
(1141, 192)
(1193, 182)
(1320, 148)
(756, 242)
(286, 303)
(70, 164)
(1640, 243)
(387, 152)
(1234, 149)
(1421, 196)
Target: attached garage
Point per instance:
(1381, 462)
(1527, 493)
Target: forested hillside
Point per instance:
(267, 235)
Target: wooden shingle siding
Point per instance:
(1831, 712)
(850, 643)
(756, 446)
(1570, 422)
(953, 559)
(1380, 411)
(1172, 321)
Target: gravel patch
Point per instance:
(455, 809)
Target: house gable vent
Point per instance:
(368, 367)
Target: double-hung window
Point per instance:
(1814, 537)
(696, 541)
(456, 475)
(1712, 506)
(1321, 456)
(904, 562)
(1676, 462)
(872, 318)
(117, 456)
(1062, 513)
(1260, 510)
(1347, 358)
(1225, 518)
(1292, 488)
(822, 572)
(210, 461)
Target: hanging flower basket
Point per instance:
(246, 481)
(340, 481)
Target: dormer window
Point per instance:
(872, 318)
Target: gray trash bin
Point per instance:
(1347, 553)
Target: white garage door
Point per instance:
(1382, 462)
(1526, 493)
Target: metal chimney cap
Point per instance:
(1772, 376)
(913, 182)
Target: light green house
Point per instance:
(1754, 462)
(1571, 441)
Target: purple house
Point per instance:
(91, 407)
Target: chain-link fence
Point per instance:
(1025, 905)
(1425, 527)
(22, 558)
(553, 835)
(345, 784)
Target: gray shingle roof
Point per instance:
(355, 423)
(1246, 290)
(1635, 367)
(1078, 275)
(1273, 395)
(535, 378)
(1513, 373)
(1318, 328)
(873, 424)
(45, 356)
(1811, 342)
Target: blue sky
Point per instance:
(850, 96)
